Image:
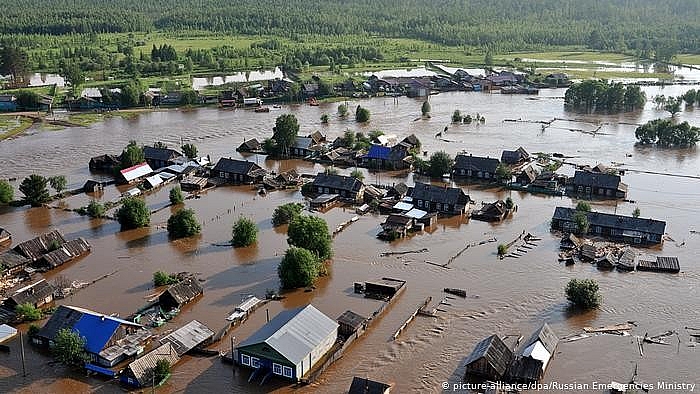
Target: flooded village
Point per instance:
(433, 283)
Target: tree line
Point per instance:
(600, 96)
(642, 25)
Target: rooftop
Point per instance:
(614, 221)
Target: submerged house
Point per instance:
(36, 248)
(492, 212)
(104, 163)
(141, 372)
(302, 147)
(188, 337)
(37, 295)
(65, 253)
(160, 157)
(347, 187)
(367, 386)
(251, 145)
(517, 156)
(12, 263)
(179, 294)
(290, 344)
(108, 339)
(135, 173)
(238, 171)
(475, 167)
(595, 184)
(531, 361)
(445, 200)
(490, 359)
(527, 176)
(614, 227)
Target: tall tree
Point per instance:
(13, 62)
(311, 233)
(285, 131)
(132, 155)
(34, 189)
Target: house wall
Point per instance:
(316, 354)
(482, 368)
(232, 177)
(612, 233)
(468, 173)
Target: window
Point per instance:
(487, 175)
(276, 369)
(222, 174)
(580, 189)
(588, 189)
(420, 203)
(439, 207)
(479, 174)
(598, 229)
(320, 189)
(287, 372)
(469, 172)
(245, 360)
(254, 362)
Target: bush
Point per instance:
(33, 330)
(343, 110)
(581, 221)
(311, 233)
(325, 118)
(183, 223)
(95, 209)
(189, 97)
(245, 233)
(457, 116)
(34, 189)
(502, 249)
(161, 370)
(7, 193)
(133, 213)
(298, 268)
(440, 164)
(58, 183)
(361, 114)
(28, 312)
(69, 348)
(161, 278)
(357, 174)
(189, 150)
(176, 196)
(583, 293)
(132, 155)
(284, 214)
(509, 203)
(636, 212)
(583, 206)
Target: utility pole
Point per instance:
(233, 360)
(21, 345)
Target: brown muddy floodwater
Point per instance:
(508, 297)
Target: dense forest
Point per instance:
(649, 27)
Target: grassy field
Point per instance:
(11, 125)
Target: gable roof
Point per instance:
(234, 166)
(545, 335)
(294, 333)
(366, 386)
(476, 163)
(494, 351)
(597, 179)
(33, 293)
(378, 152)
(614, 221)
(67, 252)
(530, 172)
(143, 367)
(185, 290)
(514, 156)
(411, 140)
(188, 337)
(340, 182)
(37, 247)
(351, 319)
(164, 154)
(97, 328)
(302, 143)
(249, 145)
(135, 172)
(449, 195)
(317, 137)
(11, 259)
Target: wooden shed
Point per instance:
(179, 294)
(349, 322)
(490, 359)
(67, 252)
(662, 264)
(140, 373)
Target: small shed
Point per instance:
(188, 337)
(37, 295)
(325, 201)
(67, 252)
(490, 359)
(367, 386)
(349, 322)
(251, 145)
(662, 264)
(384, 287)
(179, 294)
(140, 373)
(534, 355)
(93, 186)
(12, 262)
(193, 183)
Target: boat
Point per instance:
(262, 109)
(457, 292)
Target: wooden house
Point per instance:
(141, 372)
(444, 200)
(251, 145)
(475, 167)
(12, 263)
(238, 171)
(534, 355)
(179, 294)
(389, 158)
(160, 157)
(190, 336)
(35, 248)
(620, 228)
(513, 157)
(396, 224)
(108, 339)
(383, 288)
(69, 251)
(38, 295)
(301, 147)
(104, 163)
(661, 264)
(599, 185)
(527, 176)
(349, 188)
(489, 359)
(317, 137)
(557, 80)
(324, 202)
(367, 386)
(93, 186)
(492, 212)
(290, 344)
(349, 322)
(397, 191)
(135, 173)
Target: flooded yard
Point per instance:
(507, 297)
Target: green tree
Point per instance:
(132, 155)
(581, 222)
(673, 105)
(176, 196)
(425, 109)
(189, 97)
(161, 278)
(28, 99)
(343, 110)
(34, 189)
(357, 174)
(509, 203)
(190, 150)
(285, 131)
(689, 97)
(325, 118)
(488, 58)
(583, 293)
(244, 233)
(74, 75)
(285, 213)
(503, 173)
(161, 370)
(636, 212)
(58, 183)
(131, 93)
(95, 209)
(348, 139)
(133, 213)
(69, 348)
(583, 206)
(298, 268)
(27, 312)
(270, 147)
(13, 61)
(361, 114)
(440, 164)
(667, 133)
(183, 223)
(502, 249)
(457, 116)
(7, 193)
(311, 233)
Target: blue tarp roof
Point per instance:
(100, 370)
(378, 152)
(97, 331)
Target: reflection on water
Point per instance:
(508, 297)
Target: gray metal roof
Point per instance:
(142, 368)
(650, 226)
(294, 333)
(188, 337)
